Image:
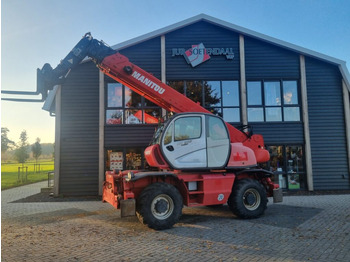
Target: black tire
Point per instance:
(248, 199)
(159, 206)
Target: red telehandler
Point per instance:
(200, 160)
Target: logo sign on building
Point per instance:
(198, 54)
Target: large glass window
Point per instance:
(213, 90)
(114, 117)
(127, 158)
(115, 95)
(254, 93)
(287, 162)
(219, 97)
(194, 91)
(230, 93)
(125, 106)
(213, 103)
(133, 159)
(230, 101)
(272, 92)
(291, 101)
(273, 101)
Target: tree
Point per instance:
(201, 92)
(36, 149)
(21, 153)
(6, 143)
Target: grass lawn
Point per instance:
(10, 177)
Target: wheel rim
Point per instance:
(251, 199)
(162, 206)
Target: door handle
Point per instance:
(170, 148)
(185, 143)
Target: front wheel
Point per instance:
(248, 199)
(159, 206)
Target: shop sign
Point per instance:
(198, 54)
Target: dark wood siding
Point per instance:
(79, 132)
(217, 67)
(146, 55)
(266, 61)
(280, 133)
(128, 135)
(327, 126)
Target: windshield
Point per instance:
(157, 135)
(159, 131)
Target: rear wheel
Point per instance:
(248, 199)
(159, 206)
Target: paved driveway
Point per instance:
(302, 228)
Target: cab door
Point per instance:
(184, 142)
(218, 142)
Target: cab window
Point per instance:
(168, 135)
(217, 130)
(188, 128)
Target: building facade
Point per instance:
(296, 98)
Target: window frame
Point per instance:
(125, 151)
(124, 108)
(187, 138)
(284, 172)
(221, 107)
(282, 105)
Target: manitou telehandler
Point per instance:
(200, 160)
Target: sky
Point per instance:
(35, 32)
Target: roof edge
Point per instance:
(345, 73)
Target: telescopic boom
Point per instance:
(118, 67)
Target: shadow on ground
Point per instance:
(277, 215)
(46, 197)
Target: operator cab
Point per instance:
(194, 141)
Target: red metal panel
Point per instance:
(154, 157)
(110, 193)
(212, 188)
(217, 188)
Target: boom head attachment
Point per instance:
(47, 77)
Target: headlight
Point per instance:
(130, 176)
